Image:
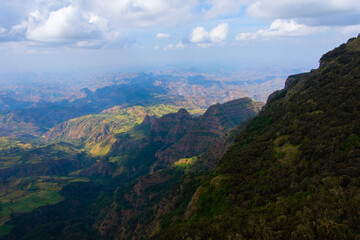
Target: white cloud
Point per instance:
(180, 45)
(91, 23)
(141, 13)
(162, 35)
(68, 25)
(284, 9)
(199, 35)
(219, 33)
(281, 28)
(352, 30)
(83, 23)
(65, 24)
(203, 38)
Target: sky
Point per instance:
(64, 35)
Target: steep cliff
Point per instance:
(293, 173)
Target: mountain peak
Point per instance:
(342, 53)
(148, 120)
(183, 113)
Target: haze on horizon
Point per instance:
(63, 35)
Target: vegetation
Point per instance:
(294, 172)
(20, 195)
(185, 162)
(11, 161)
(96, 132)
(31, 176)
(10, 144)
(129, 178)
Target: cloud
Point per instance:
(162, 35)
(180, 45)
(307, 10)
(3, 32)
(90, 23)
(65, 24)
(203, 38)
(223, 7)
(219, 33)
(141, 13)
(281, 28)
(351, 30)
(97, 24)
(199, 35)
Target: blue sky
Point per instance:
(63, 35)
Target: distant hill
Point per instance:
(91, 130)
(39, 118)
(25, 110)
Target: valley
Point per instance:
(183, 156)
(114, 138)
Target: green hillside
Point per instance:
(31, 177)
(133, 182)
(96, 132)
(294, 172)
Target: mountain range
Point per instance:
(183, 159)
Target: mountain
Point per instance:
(129, 180)
(38, 119)
(7, 102)
(293, 173)
(45, 100)
(214, 124)
(135, 203)
(286, 170)
(168, 135)
(90, 131)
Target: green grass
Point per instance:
(185, 163)
(28, 203)
(82, 179)
(33, 201)
(9, 142)
(58, 151)
(27, 194)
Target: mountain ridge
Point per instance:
(293, 172)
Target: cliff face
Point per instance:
(293, 173)
(171, 127)
(206, 129)
(170, 138)
(99, 133)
